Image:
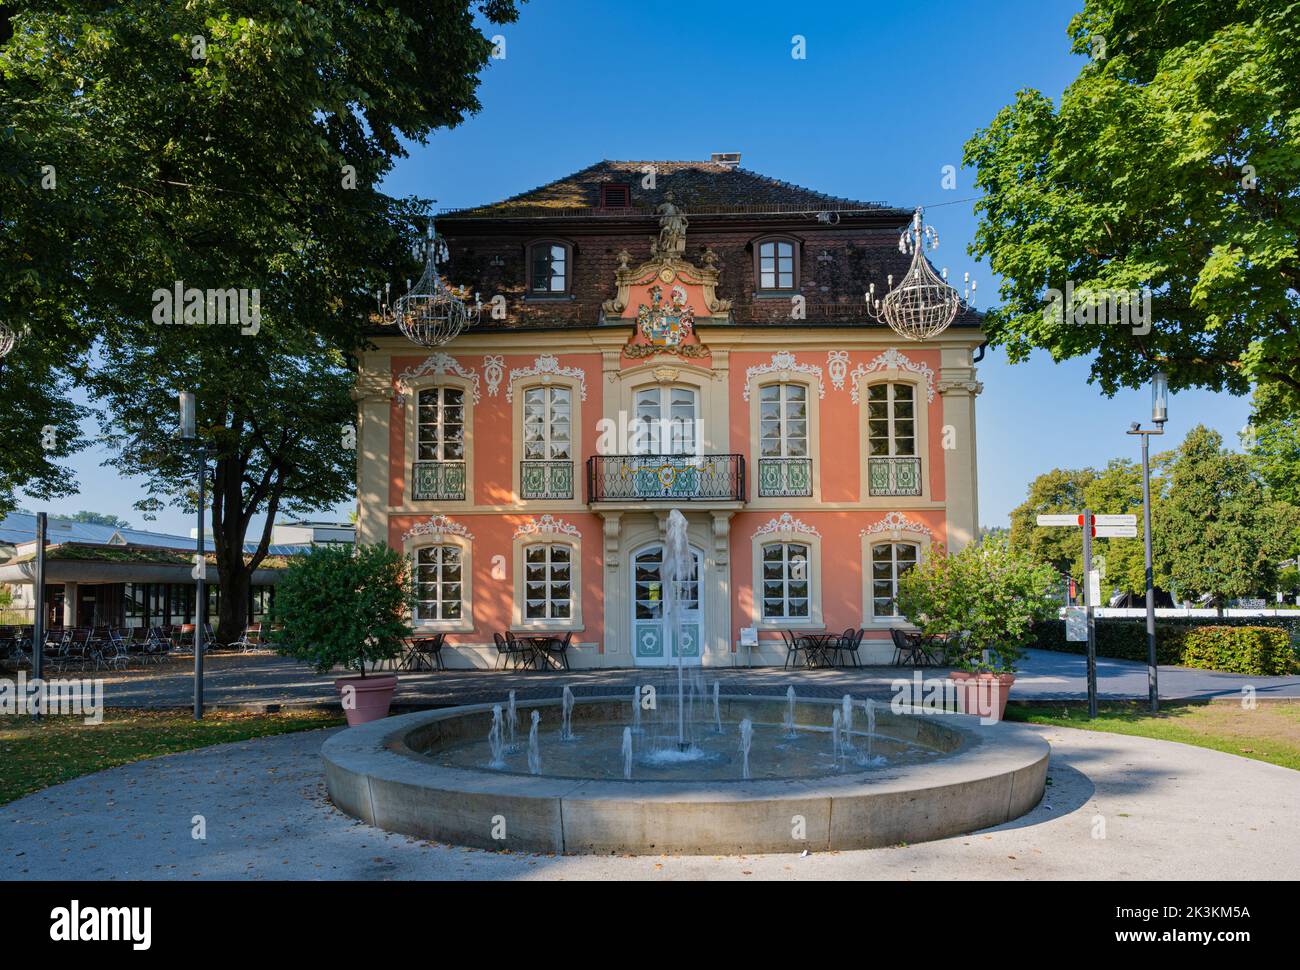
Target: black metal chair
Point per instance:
(557, 649)
(847, 646)
(792, 647)
(906, 648)
(426, 653)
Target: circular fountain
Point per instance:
(758, 774)
(679, 767)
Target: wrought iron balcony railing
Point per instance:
(643, 478)
(893, 476)
(784, 477)
(438, 481)
(552, 478)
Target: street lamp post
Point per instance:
(189, 434)
(1159, 415)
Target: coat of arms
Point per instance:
(666, 324)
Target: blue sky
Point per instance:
(886, 96)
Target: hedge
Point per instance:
(1211, 643)
(1239, 650)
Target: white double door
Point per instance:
(654, 643)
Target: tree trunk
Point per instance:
(233, 615)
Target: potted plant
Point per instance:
(985, 600)
(345, 606)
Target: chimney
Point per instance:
(729, 159)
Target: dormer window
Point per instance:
(549, 268)
(776, 265)
(615, 195)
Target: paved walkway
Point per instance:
(268, 679)
(1169, 811)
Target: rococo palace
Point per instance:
(668, 335)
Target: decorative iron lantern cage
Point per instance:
(922, 305)
(430, 313)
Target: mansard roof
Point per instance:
(701, 187)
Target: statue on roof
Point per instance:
(672, 229)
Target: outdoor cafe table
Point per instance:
(540, 650)
(818, 649)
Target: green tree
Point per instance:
(218, 147)
(101, 518)
(344, 606)
(1273, 444)
(1172, 162)
(985, 597)
(1215, 528)
(1115, 490)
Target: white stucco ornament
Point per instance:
(437, 526)
(436, 365)
(896, 523)
(544, 367)
(892, 359)
(786, 522)
(546, 525)
(784, 363)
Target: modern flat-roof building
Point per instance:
(657, 336)
(99, 575)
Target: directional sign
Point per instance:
(1060, 520)
(1115, 532)
(1114, 520)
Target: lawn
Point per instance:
(35, 756)
(1270, 732)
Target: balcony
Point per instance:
(551, 479)
(784, 477)
(677, 478)
(888, 477)
(438, 481)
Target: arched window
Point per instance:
(439, 583)
(785, 462)
(548, 581)
(550, 268)
(776, 265)
(889, 560)
(787, 583)
(893, 462)
(439, 471)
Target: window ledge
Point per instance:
(548, 297)
(775, 294)
(442, 626)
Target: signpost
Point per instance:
(1093, 526)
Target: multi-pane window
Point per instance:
(786, 581)
(438, 583)
(891, 419)
(888, 562)
(442, 424)
(550, 268)
(783, 421)
(776, 265)
(548, 581)
(547, 428)
(666, 418)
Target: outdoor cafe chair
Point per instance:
(792, 648)
(907, 648)
(425, 653)
(847, 645)
(557, 648)
(522, 651)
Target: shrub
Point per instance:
(1183, 642)
(986, 598)
(340, 606)
(1256, 650)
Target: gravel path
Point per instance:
(1169, 811)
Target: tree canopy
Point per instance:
(1172, 162)
(211, 146)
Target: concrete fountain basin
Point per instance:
(386, 774)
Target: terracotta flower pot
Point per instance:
(366, 699)
(982, 694)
